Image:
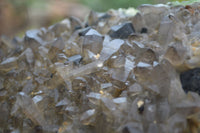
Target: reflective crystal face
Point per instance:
(114, 73)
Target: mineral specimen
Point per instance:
(116, 72)
(122, 31)
(190, 80)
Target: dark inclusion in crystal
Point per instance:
(144, 30)
(131, 129)
(141, 109)
(125, 130)
(38, 129)
(140, 105)
(105, 16)
(122, 31)
(190, 80)
(84, 31)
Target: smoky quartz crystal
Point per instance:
(124, 71)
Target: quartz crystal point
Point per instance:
(86, 118)
(75, 59)
(8, 64)
(30, 109)
(33, 34)
(123, 71)
(83, 70)
(166, 31)
(92, 41)
(110, 48)
(138, 23)
(176, 54)
(122, 31)
(153, 12)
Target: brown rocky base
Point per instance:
(114, 73)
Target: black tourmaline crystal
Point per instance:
(191, 80)
(122, 31)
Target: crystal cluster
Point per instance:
(113, 73)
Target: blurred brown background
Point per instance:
(19, 15)
(16, 16)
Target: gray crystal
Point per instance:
(120, 100)
(138, 22)
(37, 99)
(8, 64)
(86, 117)
(75, 23)
(106, 85)
(166, 31)
(113, 73)
(29, 108)
(83, 32)
(122, 31)
(75, 59)
(62, 102)
(33, 34)
(110, 48)
(93, 41)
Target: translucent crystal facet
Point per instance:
(123, 71)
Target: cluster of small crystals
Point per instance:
(113, 73)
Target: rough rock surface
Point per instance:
(114, 73)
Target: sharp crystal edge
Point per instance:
(123, 71)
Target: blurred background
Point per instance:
(16, 16)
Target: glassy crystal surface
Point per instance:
(122, 31)
(116, 72)
(190, 80)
